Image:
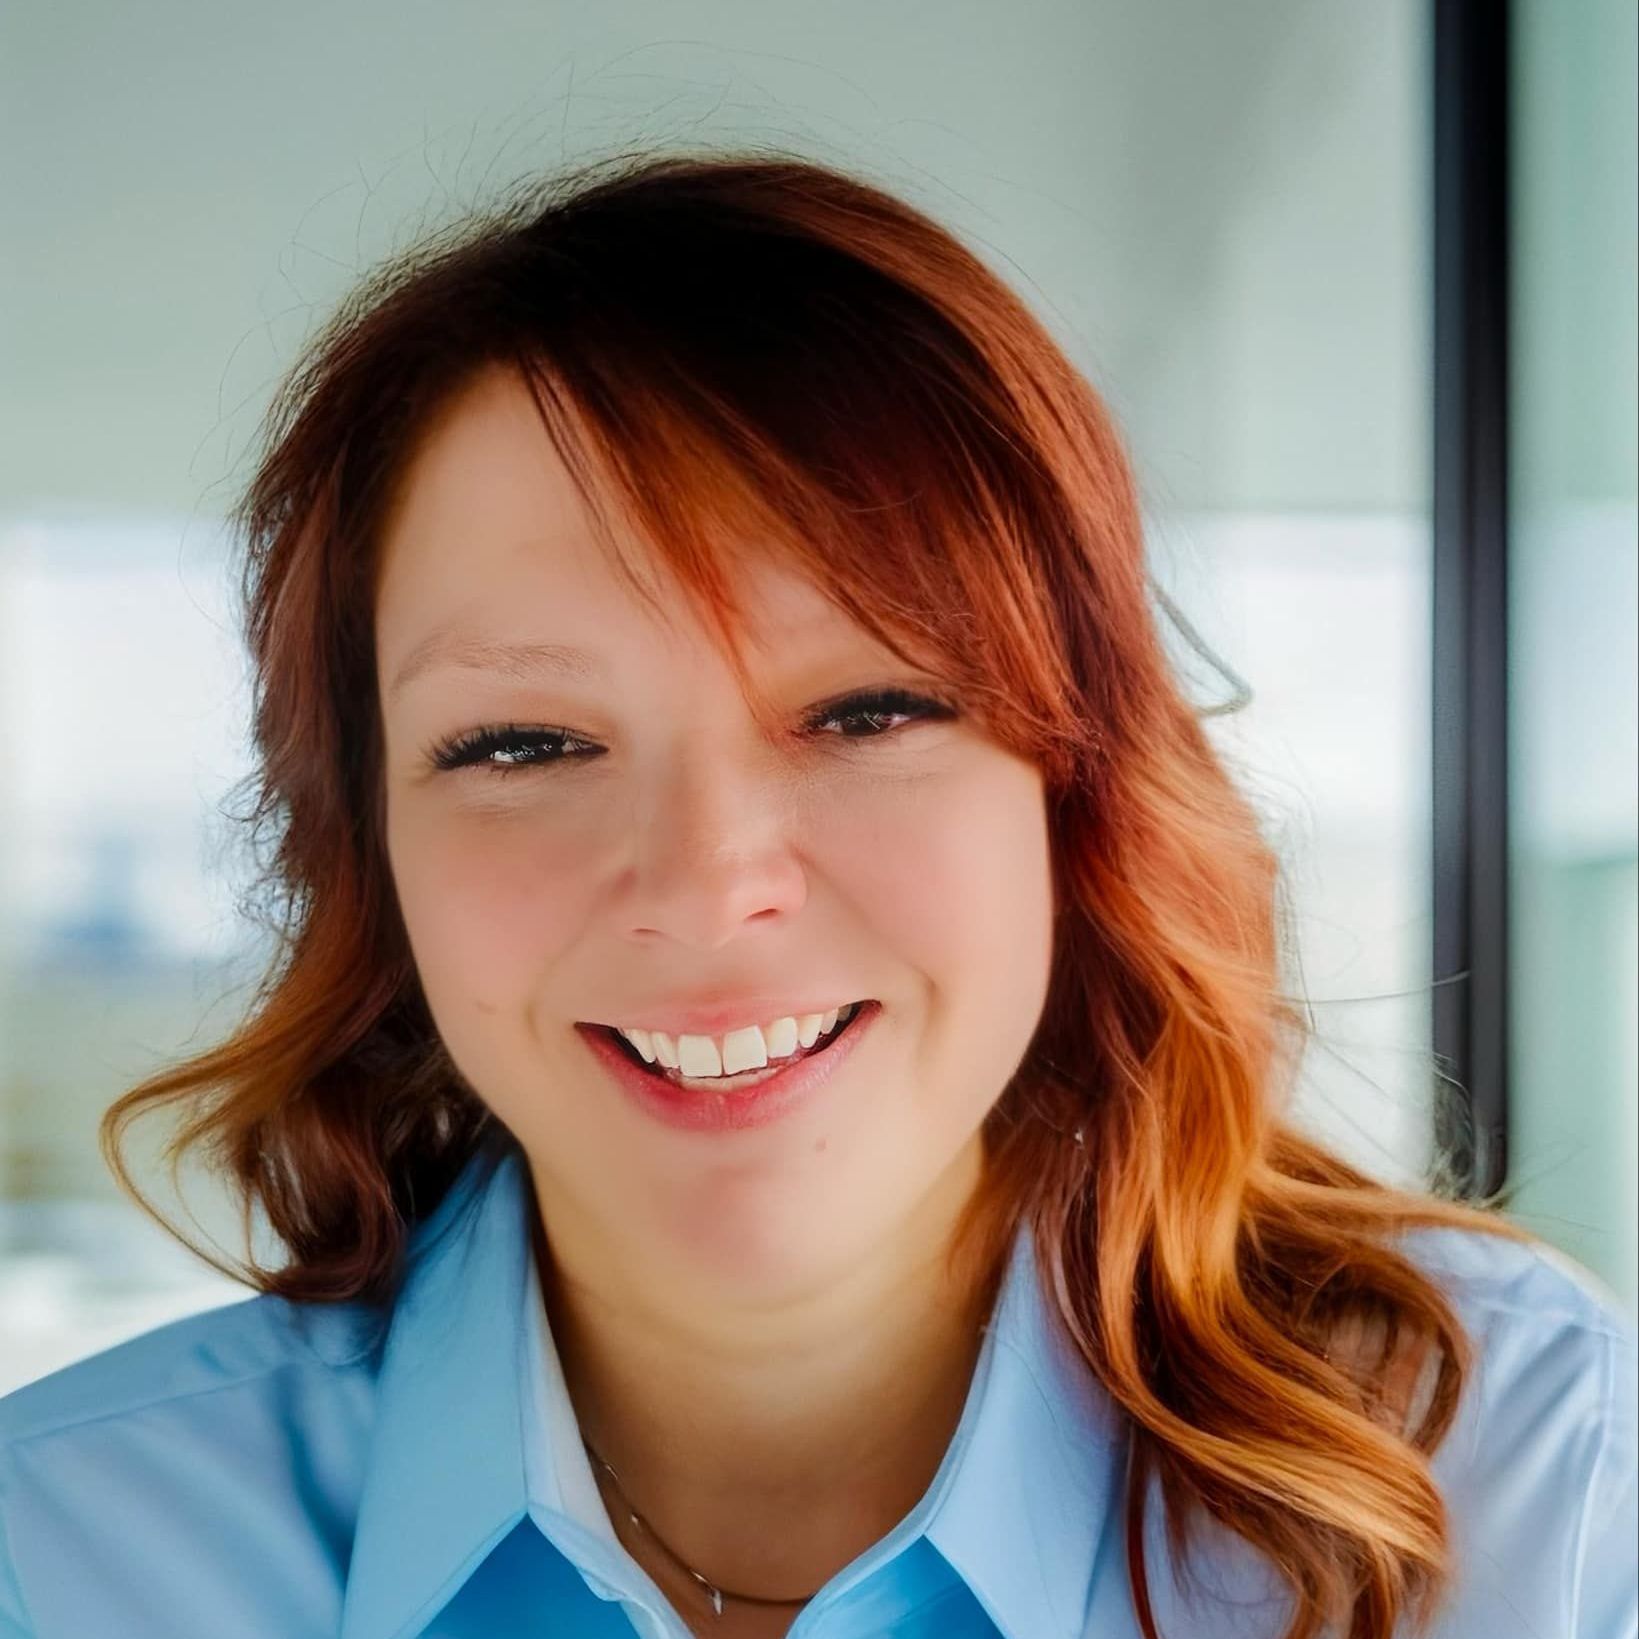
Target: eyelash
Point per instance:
(469, 749)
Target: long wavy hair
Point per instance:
(754, 346)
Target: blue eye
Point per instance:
(531, 746)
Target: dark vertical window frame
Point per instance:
(1470, 583)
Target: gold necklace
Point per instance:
(715, 1594)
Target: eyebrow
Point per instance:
(520, 661)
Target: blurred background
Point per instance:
(1358, 282)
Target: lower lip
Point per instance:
(706, 1111)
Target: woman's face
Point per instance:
(689, 854)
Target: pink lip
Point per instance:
(706, 1111)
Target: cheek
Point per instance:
(963, 899)
(957, 882)
(486, 902)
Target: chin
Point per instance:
(763, 1240)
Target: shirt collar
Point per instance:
(1033, 1468)
(474, 1429)
(444, 1476)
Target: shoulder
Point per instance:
(1497, 1278)
(1541, 1466)
(1540, 1322)
(1543, 1327)
(123, 1474)
(117, 1469)
(234, 1345)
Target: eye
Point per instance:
(519, 742)
(526, 746)
(879, 703)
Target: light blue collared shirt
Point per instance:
(269, 1470)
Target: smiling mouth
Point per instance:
(660, 1073)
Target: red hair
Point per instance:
(755, 347)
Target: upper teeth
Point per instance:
(747, 1049)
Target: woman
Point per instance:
(700, 626)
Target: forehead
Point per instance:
(487, 530)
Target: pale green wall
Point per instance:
(1220, 208)
(1574, 673)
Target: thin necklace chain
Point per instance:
(715, 1594)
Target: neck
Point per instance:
(771, 1448)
